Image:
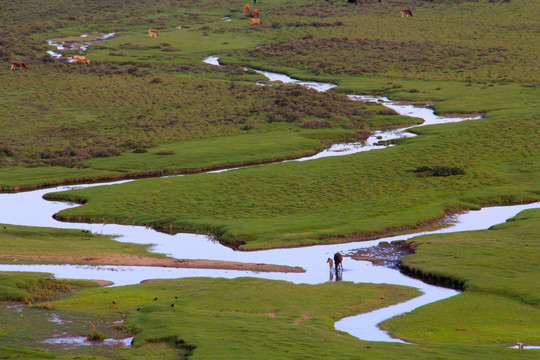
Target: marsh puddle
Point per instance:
(29, 208)
(71, 342)
(75, 44)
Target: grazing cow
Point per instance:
(518, 345)
(338, 262)
(256, 22)
(331, 263)
(153, 33)
(406, 13)
(80, 59)
(246, 9)
(18, 65)
(255, 13)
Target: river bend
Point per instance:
(30, 209)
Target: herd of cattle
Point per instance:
(154, 34)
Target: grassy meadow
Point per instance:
(498, 268)
(148, 107)
(27, 245)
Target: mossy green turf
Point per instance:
(21, 241)
(253, 318)
(499, 268)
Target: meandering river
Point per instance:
(30, 209)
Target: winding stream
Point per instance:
(30, 209)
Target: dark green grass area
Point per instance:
(89, 115)
(445, 40)
(499, 269)
(18, 242)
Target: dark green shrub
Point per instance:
(95, 335)
(165, 152)
(425, 171)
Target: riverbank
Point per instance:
(134, 260)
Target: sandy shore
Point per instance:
(134, 260)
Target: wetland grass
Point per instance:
(462, 56)
(30, 245)
(498, 268)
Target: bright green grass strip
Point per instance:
(34, 241)
(220, 152)
(14, 178)
(499, 268)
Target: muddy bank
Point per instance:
(433, 279)
(387, 254)
(134, 260)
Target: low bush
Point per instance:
(426, 171)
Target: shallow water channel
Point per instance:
(30, 209)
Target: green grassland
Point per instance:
(498, 268)
(20, 241)
(220, 317)
(149, 106)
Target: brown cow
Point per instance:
(246, 9)
(256, 21)
(255, 13)
(153, 33)
(18, 65)
(406, 13)
(80, 59)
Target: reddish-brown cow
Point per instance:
(406, 13)
(18, 65)
(80, 59)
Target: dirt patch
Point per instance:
(134, 260)
(385, 254)
(302, 319)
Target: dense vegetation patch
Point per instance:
(425, 171)
(364, 56)
(111, 114)
(445, 40)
